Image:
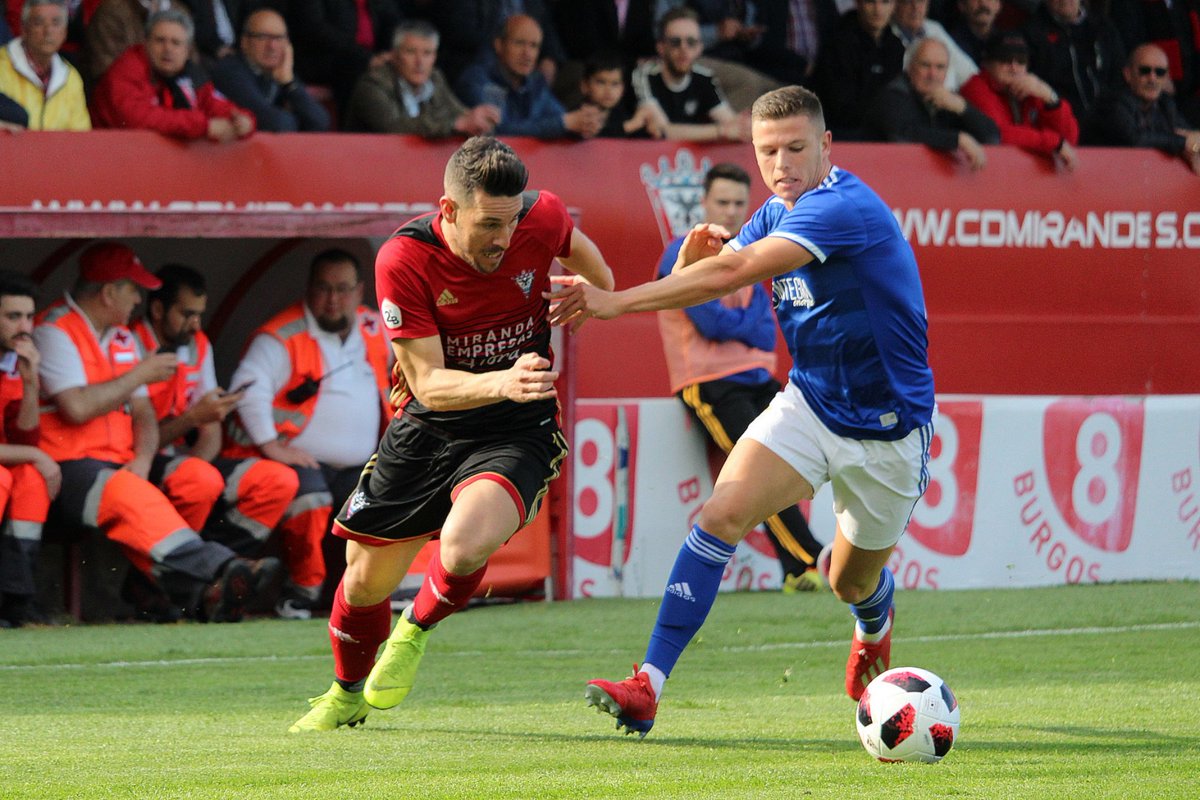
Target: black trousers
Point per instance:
(724, 410)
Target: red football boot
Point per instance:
(631, 701)
(868, 659)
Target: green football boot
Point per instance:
(330, 711)
(392, 677)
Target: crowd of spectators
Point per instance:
(1048, 74)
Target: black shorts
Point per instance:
(406, 489)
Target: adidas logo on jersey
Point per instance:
(682, 591)
(446, 298)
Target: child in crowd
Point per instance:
(603, 86)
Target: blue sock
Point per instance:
(690, 593)
(872, 613)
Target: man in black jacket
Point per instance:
(916, 106)
(1139, 113)
(1078, 52)
(860, 58)
(260, 77)
(335, 43)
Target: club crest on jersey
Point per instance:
(524, 282)
(391, 314)
(675, 192)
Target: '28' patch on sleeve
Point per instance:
(391, 315)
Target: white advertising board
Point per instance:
(1023, 491)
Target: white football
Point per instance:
(908, 714)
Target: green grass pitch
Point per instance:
(1074, 692)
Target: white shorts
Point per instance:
(875, 483)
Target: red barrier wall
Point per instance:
(1037, 281)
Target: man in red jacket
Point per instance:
(150, 86)
(1028, 112)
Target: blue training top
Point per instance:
(753, 326)
(854, 316)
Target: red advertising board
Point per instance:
(1037, 280)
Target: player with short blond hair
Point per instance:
(858, 408)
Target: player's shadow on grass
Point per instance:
(654, 739)
(1108, 739)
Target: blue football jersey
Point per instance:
(854, 316)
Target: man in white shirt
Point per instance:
(316, 400)
(911, 22)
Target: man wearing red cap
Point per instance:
(101, 428)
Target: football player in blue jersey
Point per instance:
(858, 408)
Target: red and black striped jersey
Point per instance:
(485, 321)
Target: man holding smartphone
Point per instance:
(190, 408)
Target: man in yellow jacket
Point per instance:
(33, 73)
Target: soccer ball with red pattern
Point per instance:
(908, 714)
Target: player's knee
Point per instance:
(849, 588)
(725, 520)
(361, 587)
(462, 558)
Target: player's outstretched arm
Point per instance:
(707, 279)
(441, 388)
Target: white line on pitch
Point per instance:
(949, 637)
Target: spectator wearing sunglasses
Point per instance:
(682, 99)
(1141, 113)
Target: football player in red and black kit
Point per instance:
(476, 442)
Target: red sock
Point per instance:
(442, 593)
(356, 633)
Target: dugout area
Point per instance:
(1037, 282)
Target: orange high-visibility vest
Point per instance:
(691, 358)
(108, 437)
(175, 395)
(304, 354)
(12, 392)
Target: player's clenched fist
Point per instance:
(530, 379)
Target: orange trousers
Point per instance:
(139, 516)
(303, 528)
(24, 502)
